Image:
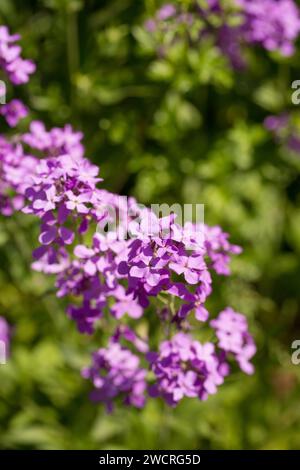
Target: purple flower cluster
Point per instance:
(184, 367)
(122, 276)
(16, 68)
(13, 112)
(15, 166)
(273, 24)
(233, 337)
(17, 71)
(16, 170)
(115, 372)
(122, 267)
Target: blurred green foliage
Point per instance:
(175, 127)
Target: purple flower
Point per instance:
(49, 200)
(13, 112)
(125, 303)
(16, 170)
(76, 202)
(233, 337)
(6, 37)
(276, 123)
(115, 373)
(4, 337)
(17, 69)
(191, 267)
(166, 11)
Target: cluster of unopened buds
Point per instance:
(141, 278)
(272, 24)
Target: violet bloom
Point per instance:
(48, 201)
(233, 337)
(125, 304)
(19, 70)
(116, 373)
(276, 123)
(13, 112)
(16, 171)
(77, 202)
(4, 339)
(166, 11)
(6, 37)
(192, 268)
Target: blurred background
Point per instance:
(179, 126)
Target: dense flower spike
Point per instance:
(120, 264)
